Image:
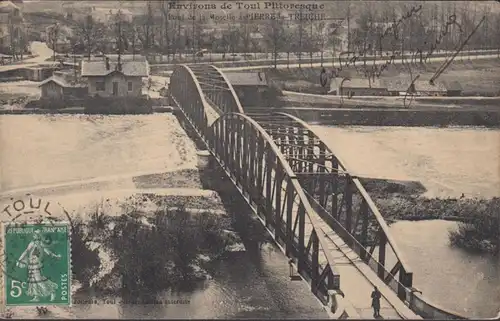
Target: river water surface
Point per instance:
(41, 151)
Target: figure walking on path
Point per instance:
(32, 258)
(376, 295)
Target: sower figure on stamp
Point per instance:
(376, 295)
(38, 285)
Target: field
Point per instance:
(477, 77)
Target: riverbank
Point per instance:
(478, 229)
(476, 77)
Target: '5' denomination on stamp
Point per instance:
(37, 264)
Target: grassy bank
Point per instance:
(149, 248)
(478, 229)
(477, 77)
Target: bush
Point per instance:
(118, 106)
(151, 253)
(86, 262)
(481, 234)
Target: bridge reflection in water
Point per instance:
(317, 212)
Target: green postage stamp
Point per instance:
(37, 264)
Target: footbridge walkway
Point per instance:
(317, 212)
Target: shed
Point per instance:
(424, 88)
(453, 88)
(397, 87)
(252, 88)
(357, 87)
(58, 88)
(238, 79)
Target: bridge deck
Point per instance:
(268, 157)
(357, 278)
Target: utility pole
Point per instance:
(192, 42)
(348, 26)
(300, 37)
(311, 42)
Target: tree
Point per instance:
(165, 9)
(89, 34)
(274, 37)
(320, 38)
(121, 31)
(53, 33)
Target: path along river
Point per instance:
(39, 151)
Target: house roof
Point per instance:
(7, 6)
(129, 68)
(396, 84)
(256, 35)
(61, 82)
(420, 85)
(424, 85)
(453, 85)
(356, 83)
(247, 78)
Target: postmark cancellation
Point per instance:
(36, 261)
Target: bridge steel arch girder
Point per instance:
(339, 198)
(266, 181)
(264, 178)
(217, 89)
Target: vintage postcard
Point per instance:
(249, 159)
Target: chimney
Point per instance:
(119, 65)
(107, 63)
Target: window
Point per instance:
(100, 86)
(130, 86)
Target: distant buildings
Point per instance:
(11, 28)
(357, 87)
(389, 87)
(80, 12)
(250, 87)
(106, 78)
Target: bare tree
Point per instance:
(320, 38)
(122, 32)
(165, 9)
(89, 33)
(274, 37)
(53, 33)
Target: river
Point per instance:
(40, 151)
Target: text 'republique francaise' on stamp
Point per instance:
(36, 253)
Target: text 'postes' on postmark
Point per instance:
(37, 263)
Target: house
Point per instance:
(251, 87)
(105, 15)
(118, 78)
(11, 28)
(396, 87)
(424, 88)
(453, 88)
(338, 29)
(257, 39)
(357, 87)
(60, 87)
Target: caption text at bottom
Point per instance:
(135, 301)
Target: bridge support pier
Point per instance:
(211, 174)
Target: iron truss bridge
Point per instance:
(317, 212)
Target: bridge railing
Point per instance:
(256, 167)
(341, 200)
(270, 186)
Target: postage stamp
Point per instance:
(37, 263)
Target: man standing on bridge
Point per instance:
(376, 295)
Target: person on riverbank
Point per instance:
(376, 295)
